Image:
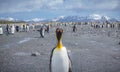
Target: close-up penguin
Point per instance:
(59, 59)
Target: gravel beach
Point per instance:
(90, 50)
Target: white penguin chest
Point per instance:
(60, 61)
(1, 31)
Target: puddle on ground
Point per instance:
(14, 44)
(25, 40)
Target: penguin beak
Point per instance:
(59, 32)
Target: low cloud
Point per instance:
(7, 6)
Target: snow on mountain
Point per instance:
(99, 17)
(106, 17)
(68, 19)
(89, 18)
(37, 19)
(27, 20)
(58, 18)
(93, 17)
(34, 20)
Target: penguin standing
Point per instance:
(23, 28)
(74, 28)
(33, 27)
(27, 28)
(48, 28)
(17, 28)
(7, 29)
(59, 60)
(42, 31)
(12, 29)
(1, 30)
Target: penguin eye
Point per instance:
(57, 30)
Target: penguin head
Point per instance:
(59, 32)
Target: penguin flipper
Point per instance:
(70, 66)
(51, 59)
(70, 63)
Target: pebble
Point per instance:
(76, 43)
(35, 54)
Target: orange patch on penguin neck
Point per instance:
(59, 45)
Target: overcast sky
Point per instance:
(28, 9)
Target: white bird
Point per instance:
(59, 60)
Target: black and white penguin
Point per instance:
(74, 28)
(27, 27)
(12, 29)
(1, 30)
(59, 60)
(42, 31)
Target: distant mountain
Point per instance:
(69, 19)
(90, 18)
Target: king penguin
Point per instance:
(1, 30)
(12, 29)
(60, 60)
